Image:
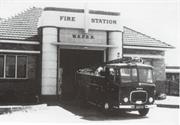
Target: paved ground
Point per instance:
(70, 112)
(170, 101)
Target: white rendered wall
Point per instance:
(49, 61)
(115, 38)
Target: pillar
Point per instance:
(49, 62)
(115, 38)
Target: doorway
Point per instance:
(70, 61)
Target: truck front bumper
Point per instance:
(136, 106)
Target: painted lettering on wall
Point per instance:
(103, 21)
(93, 20)
(67, 18)
(83, 36)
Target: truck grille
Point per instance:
(138, 96)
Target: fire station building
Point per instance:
(41, 49)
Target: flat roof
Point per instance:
(172, 69)
(82, 11)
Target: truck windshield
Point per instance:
(145, 75)
(128, 75)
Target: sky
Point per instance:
(158, 19)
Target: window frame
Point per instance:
(2, 67)
(16, 65)
(131, 75)
(14, 71)
(151, 75)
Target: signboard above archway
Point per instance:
(77, 18)
(79, 37)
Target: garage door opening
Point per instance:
(70, 62)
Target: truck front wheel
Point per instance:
(143, 112)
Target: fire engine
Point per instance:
(123, 84)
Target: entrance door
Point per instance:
(71, 61)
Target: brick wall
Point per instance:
(11, 46)
(18, 90)
(159, 69)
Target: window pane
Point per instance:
(10, 66)
(145, 75)
(134, 75)
(128, 75)
(1, 66)
(125, 74)
(134, 72)
(21, 66)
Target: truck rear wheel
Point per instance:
(143, 112)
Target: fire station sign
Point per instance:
(80, 20)
(79, 37)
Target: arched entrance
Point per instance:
(70, 61)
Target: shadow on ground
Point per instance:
(93, 113)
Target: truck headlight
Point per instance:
(125, 99)
(150, 99)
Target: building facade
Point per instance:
(41, 49)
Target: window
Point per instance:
(10, 66)
(1, 66)
(134, 74)
(13, 66)
(125, 75)
(128, 75)
(145, 75)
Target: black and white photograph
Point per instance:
(90, 62)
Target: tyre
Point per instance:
(143, 112)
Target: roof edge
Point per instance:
(170, 46)
(151, 46)
(17, 14)
(172, 67)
